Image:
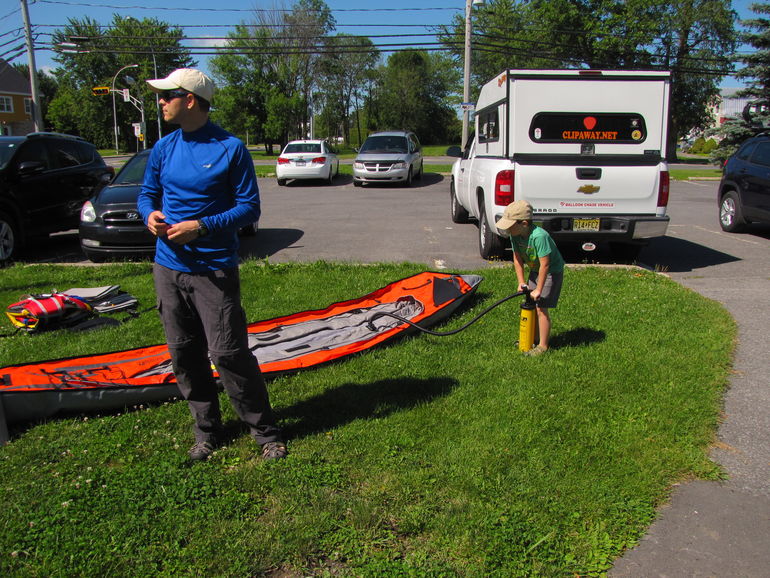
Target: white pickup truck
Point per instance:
(585, 147)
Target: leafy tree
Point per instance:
(695, 44)
(280, 50)
(101, 52)
(414, 97)
(244, 76)
(344, 69)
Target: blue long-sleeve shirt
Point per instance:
(205, 175)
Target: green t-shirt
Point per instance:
(538, 244)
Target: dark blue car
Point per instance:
(744, 192)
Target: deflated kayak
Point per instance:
(281, 345)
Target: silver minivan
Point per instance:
(388, 157)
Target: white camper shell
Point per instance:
(586, 148)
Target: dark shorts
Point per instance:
(551, 290)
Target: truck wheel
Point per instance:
(730, 213)
(9, 239)
(491, 245)
(459, 214)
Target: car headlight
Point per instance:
(358, 165)
(88, 213)
(398, 166)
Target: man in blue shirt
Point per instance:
(199, 189)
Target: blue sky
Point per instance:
(352, 16)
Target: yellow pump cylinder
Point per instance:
(527, 325)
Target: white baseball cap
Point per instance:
(189, 79)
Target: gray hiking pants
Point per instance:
(205, 324)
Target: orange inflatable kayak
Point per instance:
(284, 344)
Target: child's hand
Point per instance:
(535, 294)
(523, 286)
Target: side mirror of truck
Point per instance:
(454, 151)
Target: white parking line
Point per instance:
(732, 236)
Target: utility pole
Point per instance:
(466, 71)
(37, 113)
(466, 104)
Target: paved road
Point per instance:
(707, 529)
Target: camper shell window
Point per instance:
(489, 127)
(574, 127)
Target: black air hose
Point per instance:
(372, 327)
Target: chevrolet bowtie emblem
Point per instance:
(588, 189)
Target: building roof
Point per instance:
(12, 81)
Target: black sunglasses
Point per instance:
(169, 95)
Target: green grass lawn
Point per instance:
(686, 174)
(451, 456)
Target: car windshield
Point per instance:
(7, 148)
(133, 171)
(303, 147)
(385, 144)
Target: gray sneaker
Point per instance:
(274, 451)
(201, 451)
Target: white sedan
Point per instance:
(307, 159)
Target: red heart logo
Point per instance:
(589, 122)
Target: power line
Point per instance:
(250, 10)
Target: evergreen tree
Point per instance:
(756, 70)
(756, 74)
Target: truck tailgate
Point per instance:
(596, 189)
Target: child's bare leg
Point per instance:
(543, 327)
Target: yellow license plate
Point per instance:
(590, 225)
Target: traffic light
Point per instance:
(100, 90)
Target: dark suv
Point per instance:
(44, 180)
(744, 192)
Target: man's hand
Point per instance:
(183, 232)
(156, 223)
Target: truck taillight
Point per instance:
(663, 189)
(504, 187)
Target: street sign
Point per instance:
(100, 90)
(126, 95)
(468, 106)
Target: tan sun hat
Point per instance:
(189, 79)
(516, 211)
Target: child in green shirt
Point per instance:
(533, 247)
